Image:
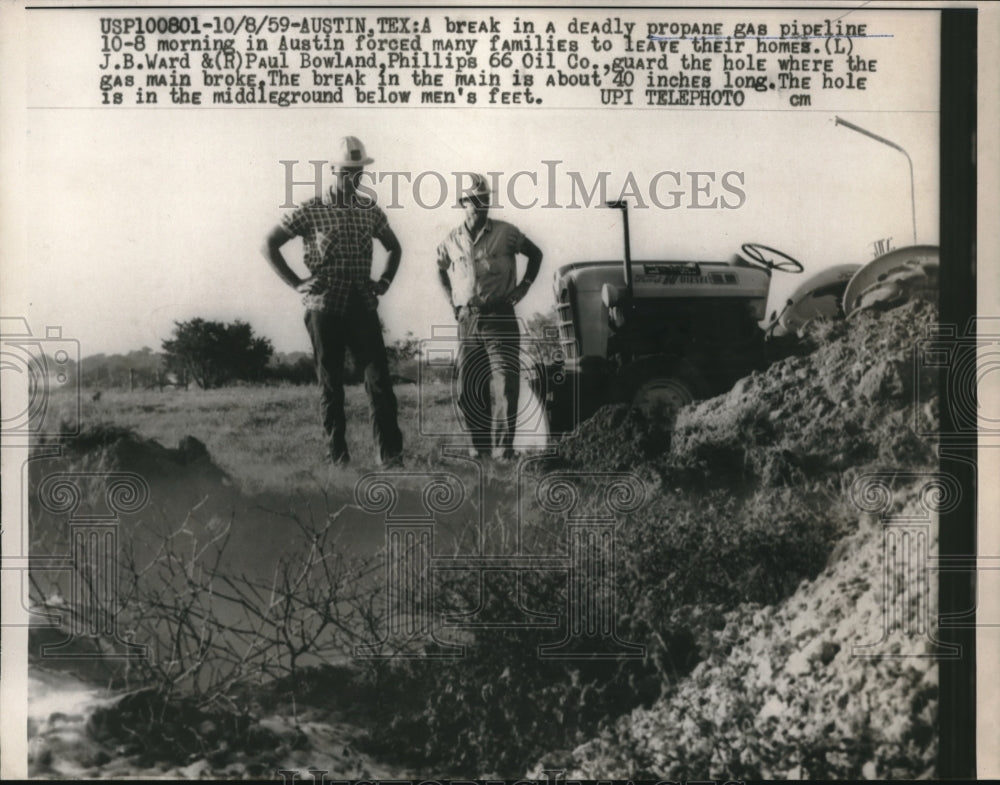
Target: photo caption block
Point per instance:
(636, 59)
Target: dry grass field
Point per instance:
(269, 438)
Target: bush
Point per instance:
(713, 548)
(215, 353)
(501, 707)
(681, 563)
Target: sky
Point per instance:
(135, 218)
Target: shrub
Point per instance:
(681, 562)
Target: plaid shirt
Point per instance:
(338, 249)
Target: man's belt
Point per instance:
(491, 309)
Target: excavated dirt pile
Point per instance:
(856, 400)
(819, 684)
(616, 438)
(105, 447)
(859, 399)
(793, 690)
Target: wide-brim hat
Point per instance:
(351, 152)
(480, 189)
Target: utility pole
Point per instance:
(894, 146)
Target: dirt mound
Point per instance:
(782, 692)
(854, 400)
(177, 479)
(616, 438)
(114, 448)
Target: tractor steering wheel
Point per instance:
(756, 252)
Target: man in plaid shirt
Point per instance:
(341, 298)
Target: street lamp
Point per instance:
(883, 140)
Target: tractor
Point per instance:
(657, 334)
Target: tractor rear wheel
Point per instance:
(661, 397)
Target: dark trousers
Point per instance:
(489, 376)
(360, 330)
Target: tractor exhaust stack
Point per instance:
(622, 205)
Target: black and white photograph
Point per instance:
(520, 392)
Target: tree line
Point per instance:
(215, 354)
